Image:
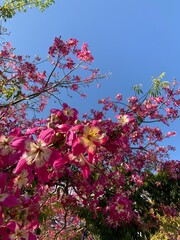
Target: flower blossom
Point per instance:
(124, 119)
(21, 180)
(84, 54)
(90, 139)
(37, 152)
(19, 234)
(87, 141)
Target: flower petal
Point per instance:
(22, 164)
(78, 147)
(19, 143)
(47, 135)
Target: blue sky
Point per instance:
(134, 40)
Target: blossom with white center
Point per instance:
(37, 153)
(5, 147)
(19, 234)
(68, 112)
(21, 180)
(92, 137)
(123, 119)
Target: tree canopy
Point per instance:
(83, 177)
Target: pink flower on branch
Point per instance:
(91, 138)
(37, 154)
(124, 119)
(23, 81)
(84, 141)
(59, 47)
(65, 116)
(19, 233)
(84, 54)
(43, 166)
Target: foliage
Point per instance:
(10, 7)
(169, 229)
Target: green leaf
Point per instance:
(138, 89)
(10, 8)
(9, 92)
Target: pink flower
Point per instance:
(124, 119)
(5, 147)
(72, 42)
(37, 154)
(84, 54)
(59, 48)
(8, 200)
(91, 138)
(85, 164)
(65, 116)
(119, 97)
(23, 178)
(60, 162)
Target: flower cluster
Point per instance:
(64, 176)
(22, 79)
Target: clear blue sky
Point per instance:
(134, 40)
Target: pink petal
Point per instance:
(11, 201)
(78, 147)
(21, 165)
(63, 128)
(59, 163)
(16, 132)
(47, 135)
(32, 130)
(42, 174)
(55, 155)
(85, 171)
(19, 143)
(3, 180)
(3, 233)
(77, 128)
(70, 138)
(33, 225)
(90, 157)
(32, 236)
